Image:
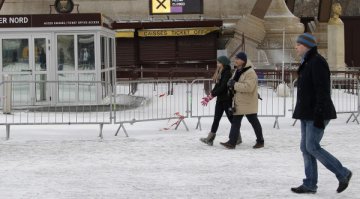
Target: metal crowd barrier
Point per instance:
(144, 100)
(344, 94)
(32, 103)
(150, 100)
(271, 104)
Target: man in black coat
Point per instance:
(315, 108)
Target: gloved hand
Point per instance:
(231, 83)
(206, 100)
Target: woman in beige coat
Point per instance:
(244, 86)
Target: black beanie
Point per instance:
(242, 56)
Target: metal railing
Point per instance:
(91, 102)
(344, 94)
(33, 103)
(151, 100)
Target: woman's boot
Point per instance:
(209, 140)
(239, 140)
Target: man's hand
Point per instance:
(231, 83)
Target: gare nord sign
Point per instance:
(54, 20)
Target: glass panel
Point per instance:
(40, 88)
(65, 52)
(112, 78)
(21, 89)
(110, 53)
(40, 54)
(87, 88)
(15, 55)
(86, 53)
(67, 89)
(102, 51)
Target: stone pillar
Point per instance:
(336, 40)
(336, 47)
(277, 19)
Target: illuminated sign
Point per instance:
(43, 20)
(176, 32)
(176, 7)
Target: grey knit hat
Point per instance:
(307, 40)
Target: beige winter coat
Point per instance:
(246, 93)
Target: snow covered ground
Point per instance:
(71, 162)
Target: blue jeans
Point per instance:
(312, 151)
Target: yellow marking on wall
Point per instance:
(176, 32)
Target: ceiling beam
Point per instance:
(324, 10)
(260, 8)
(1, 3)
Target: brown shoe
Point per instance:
(258, 145)
(227, 145)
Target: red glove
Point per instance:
(206, 100)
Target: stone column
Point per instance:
(336, 40)
(336, 47)
(277, 19)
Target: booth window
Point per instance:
(102, 51)
(86, 59)
(15, 55)
(110, 52)
(40, 54)
(65, 52)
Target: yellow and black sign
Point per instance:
(176, 7)
(161, 6)
(176, 32)
(128, 33)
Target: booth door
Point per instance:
(40, 70)
(26, 60)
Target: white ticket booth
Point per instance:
(55, 53)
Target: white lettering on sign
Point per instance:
(14, 20)
(3, 20)
(18, 20)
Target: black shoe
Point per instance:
(258, 145)
(345, 184)
(227, 145)
(302, 189)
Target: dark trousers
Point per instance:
(220, 107)
(235, 128)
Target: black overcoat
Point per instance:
(220, 89)
(313, 89)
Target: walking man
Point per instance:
(315, 108)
